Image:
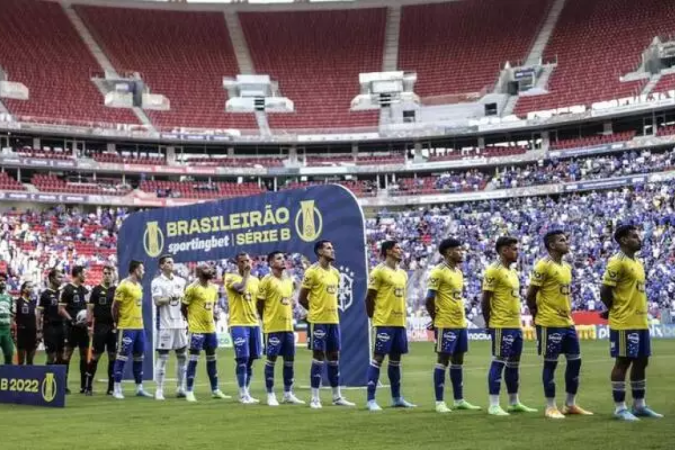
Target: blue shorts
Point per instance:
(631, 344)
(391, 341)
(206, 341)
(130, 341)
(324, 337)
(281, 343)
(246, 341)
(452, 340)
(557, 341)
(507, 342)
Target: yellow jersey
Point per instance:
(448, 284)
(129, 296)
(242, 306)
(554, 305)
(629, 308)
(277, 295)
(505, 304)
(390, 302)
(201, 303)
(323, 285)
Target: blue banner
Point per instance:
(289, 221)
(33, 385)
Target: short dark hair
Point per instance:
(239, 255)
(548, 237)
(386, 246)
(505, 241)
(447, 244)
(133, 265)
(23, 285)
(164, 257)
(622, 231)
(53, 272)
(272, 255)
(319, 245)
(109, 267)
(76, 271)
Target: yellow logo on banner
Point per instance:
(153, 239)
(49, 387)
(308, 221)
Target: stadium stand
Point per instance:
(128, 159)
(183, 55)
(459, 47)
(199, 189)
(46, 54)
(595, 42)
(317, 56)
(7, 183)
(52, 183)
(44, 153)
(594, 140)
(234, 162)
(666, 83)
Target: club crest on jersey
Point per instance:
(398, 292)
(346, 289)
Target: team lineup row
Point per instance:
(61, 317)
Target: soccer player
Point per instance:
(623, 293)
(242, 293)
(167, 295)
(275, 307)
(49, 321)
(198, 307)
(26, 325)
(445, 304)
(6, 318)
(318, 295)
(501, 311)
(104, 331)
(548, 299)
(72, 301)
(127, 310)
(386, 307)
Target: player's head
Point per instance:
(507, 248)
(391, 249)
(3, 281)
(136, 269)
(325, 250)
(166, 264)
(243, 261)
(206, 272)
(108, 275)
(27, 289)
(452, 250)
(556, 242)
(628, 237)
(55, 277)
(276, 260)
(78, 274)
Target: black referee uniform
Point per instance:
(26, 328)
(105, 334)
(53, 327)
(74, 298)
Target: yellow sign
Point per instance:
(49, 387)
(308, 221)
(153, 239)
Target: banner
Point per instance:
(290, 221)
(33, 385)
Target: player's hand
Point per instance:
(604, 315)
(38, 336)
(430, 326)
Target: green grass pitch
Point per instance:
(101, 423)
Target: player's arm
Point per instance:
(157, 295)
(374, 285)
(241, 286)
(303, 296)
(489, 282)
(39, 318)
(537, 278)
(531, 299)
(90, 306)
(117, 301)
(63, 301)
(609, 282)
(262, 296)
(432, 289)
(187, 299)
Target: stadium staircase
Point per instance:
(653, 82)
(100, 57)
(239, 43)
(3, 108)
(537, 50)
(391, 37)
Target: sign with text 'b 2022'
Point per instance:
(33, 385)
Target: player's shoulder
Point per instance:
(542, 263)
(232, 278)
(375, 271)
(617, 259)
(493, 268)
(437, 269)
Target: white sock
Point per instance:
(139, 387)
(160, 370)
(117, 387)
(550, 402)
(620, 406)
(336, 392)
(440, 403)
(242, 392)
(513, 399)
(181, 369)
(640, 403)
(494, 400)
(570, 400)
(315, 393)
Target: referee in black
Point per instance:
(26, 325)
(73, 300)
(49, 321)
(105, 333)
